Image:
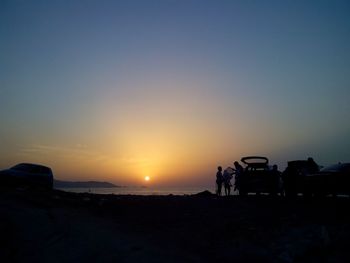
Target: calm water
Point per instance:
(140, 190)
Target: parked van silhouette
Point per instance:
(27, 175)
(294, 176)
(257, 177)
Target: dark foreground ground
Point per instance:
(67, 227)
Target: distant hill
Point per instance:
(87, 184)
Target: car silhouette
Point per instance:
(294, 177)
(27, 175)
(257, 177)
(334, 180)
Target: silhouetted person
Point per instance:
(313, 166)
(238, 175)
(275, 180)
(227, 182)
(219, 181)
(290, 178)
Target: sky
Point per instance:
(119, 90)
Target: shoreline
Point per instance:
(131, 190)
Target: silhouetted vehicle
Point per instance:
(27, 175)
(257, 176)
(334, 180)
(294, 176)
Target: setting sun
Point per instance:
(147, 178)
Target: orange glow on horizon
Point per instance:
(175, 141)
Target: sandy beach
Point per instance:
(68, 227)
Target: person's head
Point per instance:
(310, 159)
(275, 167)
(219, 168)
(236, 163)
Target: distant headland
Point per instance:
(87, 184)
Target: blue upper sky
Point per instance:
(249, 77)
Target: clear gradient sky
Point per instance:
(120, 90)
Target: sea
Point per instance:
(130, 190)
